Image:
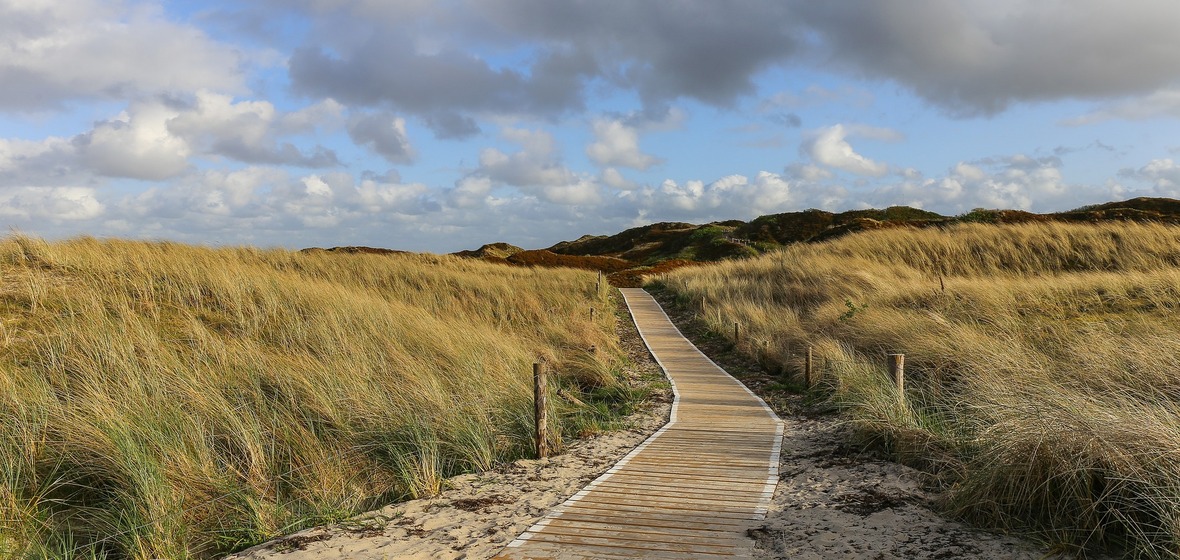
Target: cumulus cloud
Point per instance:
(268, 205)
(613, 178)
(157, 138)
(59, 51)
(384, 133)
(617, 144)
(249, 131)
(135, 144)
(55, 204)
(469, 192)
(537, 169)
(979, 56)
(1163, 175)
(1016, 181)
(828, 146)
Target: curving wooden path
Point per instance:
(692, 488)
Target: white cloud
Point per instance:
(469, 192)
(732, 196)
(617, 144)
(136, 144)
(249, 131)
(1163, 175)
(71, 49)
(157, 139)
(266, 204)
(536, 169)
(56, 204)
(828, 146)
(613, 178)
(1012, 182)
(808, 172)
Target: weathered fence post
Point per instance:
(591, 314)
(540, 396)
(897, 371)
(807, 371)
(737, 333)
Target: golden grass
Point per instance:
(159, 400)
(1044, 381)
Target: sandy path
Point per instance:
(831, 503)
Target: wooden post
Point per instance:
(897, 371)
(737, 333)
(540, 396)
(591, 314)
(807, 372)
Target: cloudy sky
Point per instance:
(438, 126)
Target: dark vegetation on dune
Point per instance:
(629, 256)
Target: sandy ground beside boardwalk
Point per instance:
(834, 503)
(831, 502)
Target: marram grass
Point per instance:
(159, 400)
(1042, 363)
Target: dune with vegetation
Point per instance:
(1041, 360)
(159, 400)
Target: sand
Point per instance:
(833, 503)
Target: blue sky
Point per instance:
(439, 126)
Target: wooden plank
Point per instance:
(668, 545)
(719, 542)
(559, 551)
(659, 521)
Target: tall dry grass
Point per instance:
(159, 400)
(1043, 381)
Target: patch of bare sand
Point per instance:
(833, 503)
(478, 514)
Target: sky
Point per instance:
(440, 126)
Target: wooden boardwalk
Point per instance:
(692, 488)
